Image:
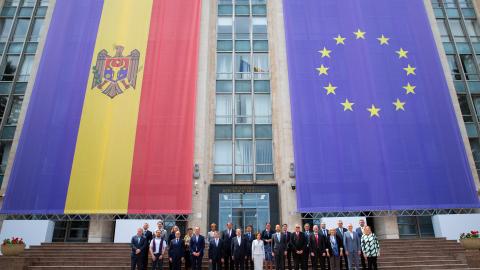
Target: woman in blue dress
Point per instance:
(267, 241)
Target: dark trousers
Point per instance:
(318, 259)
(372, 263)
(136, 262)
(298, 260)
(177, 264)
(306, 255)
(239, 263)
(227, 260)
(287, 262)
(144, 260)
(344, 259)
(216, 265)
(196, 262)
(249, 263)
(362, 259)
(188, 259)
(279, 261)
(158, 263)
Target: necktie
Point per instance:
(316, 238)
(324, 233)
(176, 241)
(139, 240)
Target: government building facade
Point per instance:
(243, 161)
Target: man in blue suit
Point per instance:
(352, 248)
(176, 251)
(138, 245)
(215, 252)
(197, 245)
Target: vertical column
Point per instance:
(386, 227)
(100, 231)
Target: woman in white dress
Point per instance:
(258, 252)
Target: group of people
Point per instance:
(233, 249)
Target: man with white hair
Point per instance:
(138, 244)
(352, 248)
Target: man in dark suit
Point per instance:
(298, 244)
(359, 231)
(197, 245)
(306, 254)
(239, 250)
(279, 247)
(341, 233)
(249, 239)
(326, 234)
(215, 252)
(227, 236)
(288, 257)
(318, 249)
(138, 245)
(149, 236)
(176, 251)
(171, 236)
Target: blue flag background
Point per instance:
(373, 121)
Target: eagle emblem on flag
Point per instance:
(114, 75)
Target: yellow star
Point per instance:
(347, 105)
(410, 88)
(330, 89)
(383, 40)
(374, 111)
(325, 52)
(410, 70)
(322, 70)
(399, 105)
(402, 53)
(340, 40)
(359, 34)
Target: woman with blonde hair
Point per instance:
(258, 252)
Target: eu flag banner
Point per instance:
(373, 121)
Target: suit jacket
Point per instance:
(239, 251)
(249, 240)
(298, 242)
(176, 251)
(215, 253)
(227, 241)
(359, 231)
(171, 236)
(337, 230)
(288, 238)
(148, 235)
(351, 244)
(279, 246)
(197, 246)
(135, 244)
(339, 244)
(307, 237)
(318, 247)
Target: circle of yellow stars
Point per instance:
(398, 104)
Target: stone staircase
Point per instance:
(435, 253)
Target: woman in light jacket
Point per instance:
(258, 252)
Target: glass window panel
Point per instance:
(15, 47)
(263, 131)
(26, 68)
(5, 88)
(225, 10)
(12, 3)
(243, 109)
(459, 86)
(474, 144)
(242, 66)
(469, 66)
(31, 47)
(242, 28)
(8, 132)
(20, 88)
(3, 105)
(264, 177)
(37, 29)
(224, 86)
(5, 25)
(41, 12)
(15, 110)
(28, 3)
(21, 30)
(242, 86)
(26, 12)
(260, 64)
(259, 10)
(472, 28)
(264, 156)
(259, 27)
(441, 24)
(242, 45)
(467, 115)
(468, 13)
(224, 109)
(452, 62)
(243, 157)
(452, 13)
(243, 131)
(224, 65)
(10, 67)
(263, 109)
(457, 30)
(44, 3)
(465, 3)
(223, 156)
(224, 45)
(224, 27)
(261, 86)
(223, 131)
(242, 10)
(463, 48)
(474, 86)
(260, 45)
(4, 152)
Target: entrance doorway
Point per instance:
(70, 231)
(244, 209)
(415, 226)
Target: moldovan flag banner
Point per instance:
(374, 126)
(110, 123)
